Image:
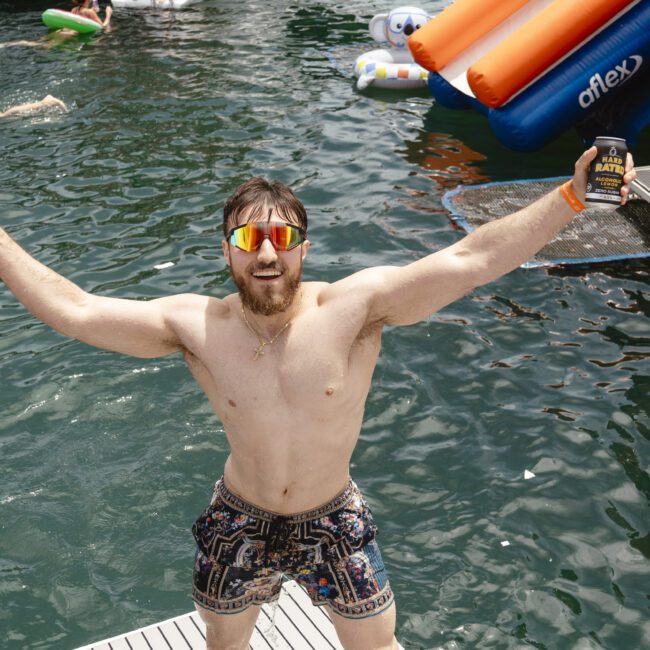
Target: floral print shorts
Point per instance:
(245, 552)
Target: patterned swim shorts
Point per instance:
(245, 552)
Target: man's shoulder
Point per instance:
(193, 303)
(366, 280)
(314, 286)
(314, 290)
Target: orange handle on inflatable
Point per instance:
(435, 44)
(523, 56)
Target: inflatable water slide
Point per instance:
(538, 67)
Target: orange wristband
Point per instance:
(567, 194)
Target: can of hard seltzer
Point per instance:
(606, 173)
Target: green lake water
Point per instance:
(107, 460)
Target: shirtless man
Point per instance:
(287, 368)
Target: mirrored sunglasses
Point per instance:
(250, 236)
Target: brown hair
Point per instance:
(259, 197)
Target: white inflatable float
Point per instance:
(392, 67)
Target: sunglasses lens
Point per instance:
(285, 237)
(250, 236)
(247, 237)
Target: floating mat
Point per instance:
(641, 186)
(595, 236)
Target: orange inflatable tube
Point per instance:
(521, 57)
(461, 24)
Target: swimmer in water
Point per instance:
(287, 366)
(47, 102)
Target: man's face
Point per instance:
(267, 279)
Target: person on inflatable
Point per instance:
(87, 9)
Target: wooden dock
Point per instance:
(292, 623)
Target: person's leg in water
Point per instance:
(24, 43)
(47, 102)
(51, 39)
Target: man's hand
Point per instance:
(579, 182)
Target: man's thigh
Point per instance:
(371, 633)
(355, 586)
(228, 631)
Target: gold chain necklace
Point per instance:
(259, 350)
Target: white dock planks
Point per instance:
(293, 623)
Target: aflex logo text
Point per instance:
(599, 85)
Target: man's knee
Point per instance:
(228, 631)
(212, 643)
(372, 633)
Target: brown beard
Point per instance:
(269, 303)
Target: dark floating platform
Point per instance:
(595, 236)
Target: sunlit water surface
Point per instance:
(107, 460)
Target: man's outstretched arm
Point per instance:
(138, 328)
(405, 295)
